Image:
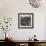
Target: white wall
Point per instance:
(11, 8)
(45, 28)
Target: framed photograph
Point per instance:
(25, 20)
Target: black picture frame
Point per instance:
(25, 20)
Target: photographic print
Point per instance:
(25, 20)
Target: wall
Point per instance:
(11, 8)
